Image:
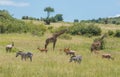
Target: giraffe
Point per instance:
(53, 39)
(97, 44)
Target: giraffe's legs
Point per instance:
(46, 43)
(54, 43)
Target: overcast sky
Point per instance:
(71, 9)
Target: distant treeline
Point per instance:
(112, 20)
(9, 24)
(56, 18)
(30, 18)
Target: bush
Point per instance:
(117, 34)
(14, 50)
(66, 37)
(59, 29)
(84, 29)
(110, 32)
(8, 24)
(93, 30)
(76, 20)
(2, 29)
(50, 27)
(38, 30)
(37, 33)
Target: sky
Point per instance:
(70, 9)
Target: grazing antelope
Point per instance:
(77, 58)
(107, 56)
(68, 51)
(9, 47)
(24, 55)
(42, 50)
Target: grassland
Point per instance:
(56, 63)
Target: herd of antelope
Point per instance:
(76, 58)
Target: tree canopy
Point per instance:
(48, 10)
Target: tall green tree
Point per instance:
(59, 17)
(48, 10)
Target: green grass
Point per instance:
(56, 63)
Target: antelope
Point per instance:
(9, 47)
(107, 56)
(68, 51)
(42, 50)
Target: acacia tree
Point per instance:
(48, 10)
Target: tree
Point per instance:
(53, 19)
(25, 17)
(59, 17)
(48, 10)
(113, 22)
(76, 20)
(106, 21)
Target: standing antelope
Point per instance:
(42, 50)
(107, 56)
(68, 51)
(9, 47)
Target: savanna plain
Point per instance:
(56, 63)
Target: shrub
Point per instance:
(37, 33)
(93, 30)
(66, 37)
(2, 29)
(117, 34)
(14, 49)
(50, 27)
(8, 24)
(76, 20)
(110, 32)
(84, 29)
(59, 29)
(38, 30)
